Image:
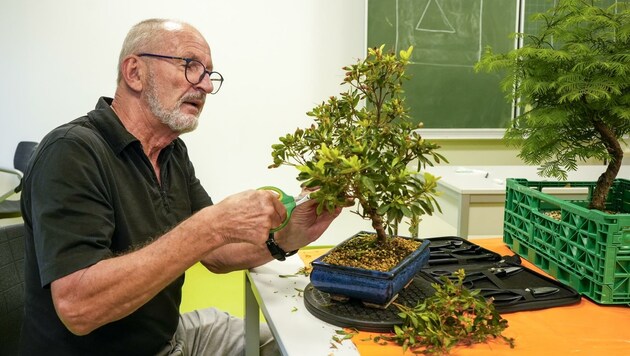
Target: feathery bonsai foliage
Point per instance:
(362, 153)
(572, 81)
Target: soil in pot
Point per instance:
(364, 251)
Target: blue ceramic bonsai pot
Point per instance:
(369, 286)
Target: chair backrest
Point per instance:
(11, 287)
(23, 154)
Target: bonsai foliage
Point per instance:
(572, 81)
(454, 315)
(362, 153)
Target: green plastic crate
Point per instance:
(586, 249)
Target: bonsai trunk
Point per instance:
(605, 181)
(377, 224)
(377, 221)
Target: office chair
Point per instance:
(11, 287)
(23, 152)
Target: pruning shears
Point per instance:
(289, 202)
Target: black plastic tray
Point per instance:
(512, 292)
(354, 314)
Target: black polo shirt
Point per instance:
(89, 194)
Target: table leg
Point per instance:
(463, 216)
(252, 322)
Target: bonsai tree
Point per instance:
(572, 81)
(361, 146)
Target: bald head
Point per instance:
(150, 36)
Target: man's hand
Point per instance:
(248, 216)
(251, 228)
(305, 226)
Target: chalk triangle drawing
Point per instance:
(433, 19)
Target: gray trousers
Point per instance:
(213, 332)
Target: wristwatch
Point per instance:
(277, 252)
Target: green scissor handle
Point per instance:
(287, 200)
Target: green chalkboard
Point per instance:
(533, 7)
(449, 37)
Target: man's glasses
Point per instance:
(195, 71)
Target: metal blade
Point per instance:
(542, 291)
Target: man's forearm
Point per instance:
(236, 256)
(116, 287)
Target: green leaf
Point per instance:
(304, 169)
(383, 209)
(368, 183)
(406, 54)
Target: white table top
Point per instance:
(297, 331)
(491, 179)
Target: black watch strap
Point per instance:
(277, 252)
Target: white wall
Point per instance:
(279, 58)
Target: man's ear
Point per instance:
(132, 70)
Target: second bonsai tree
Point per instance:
(572, 81)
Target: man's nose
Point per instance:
(206, 84)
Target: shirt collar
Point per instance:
(108, 123)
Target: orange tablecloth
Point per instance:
(585, 328)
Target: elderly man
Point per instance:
(115, 215)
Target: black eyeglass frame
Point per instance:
(188, 61)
